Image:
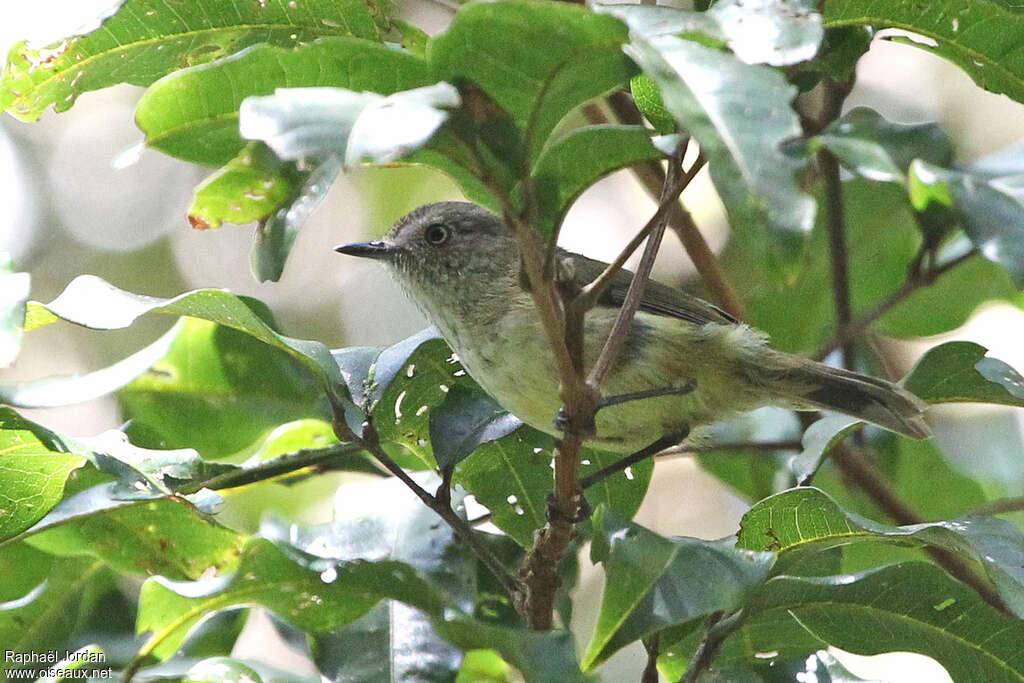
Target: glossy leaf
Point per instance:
(881, 150)
(146, 39)
(775, 32)
(164, 536)
(818, 440)
(68, 390)
(193, 113)
(378, 521)
(34, 465)
(990, 206)
(914, 607)
(804, 516)
(958, 372)
(248, 188)
(43, 618)
(495, 45)
(13, 295)
(466, 420)
(91, 302)
(982, 37)
(739, 114)
(577, 160)
(221, 670)
(652, 582)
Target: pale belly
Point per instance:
(514, 364)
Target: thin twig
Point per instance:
(836, 221)
(653, 647)
(999, 507)
(717, 628)
(370, 442)
(916, 280)
(624, 320)
(652, 176)
(689, 450)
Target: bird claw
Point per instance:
(563, 424)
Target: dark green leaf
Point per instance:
(91, 302)
(466, 420)
(990, 206)
(913, 607)
(304, 598)
(146, 39)
(42, 618)
(652, 582)
(739, 114)
(218, 390)
(576, 161)
(804, 516)
(248, 188)
(68, 390)
(34, 465)
(13, 295)
(193, 113)
(958, 372)
(982, 37)
(878, 149)
(499, 47)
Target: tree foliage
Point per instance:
(282, 97)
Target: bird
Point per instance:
(686, 363)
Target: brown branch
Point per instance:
(918, 278)
(836, 221)
(624, 320)
(653, 647)
(999, 507)
(717, 628)
(652, 176)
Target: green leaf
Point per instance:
(384, 520)
(163, 536)
(818, 440)
(218, 390)
(42, 619)
(990, 206)
(276, 233)
(648, 100)
(958, 372)
(250, 187)
(146, 39)
(466, 420)
(93, 303)
(14, 289)
(913, 607)
(576, 161)
(302, 597)
(69, 390)
(193, 113)
(34, 465)
(221, 670)
(982, 37)
(878, 149)
(739, 113)
(802, 517)
(652, 582)
(506, 49)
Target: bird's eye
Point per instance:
(437, 234)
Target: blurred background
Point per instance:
(82, 195)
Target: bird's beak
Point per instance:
(377, 249)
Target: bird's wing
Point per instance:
(658, 299)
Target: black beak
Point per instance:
(375, 250)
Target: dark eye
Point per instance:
(436, 234)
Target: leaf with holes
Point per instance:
(146, 39)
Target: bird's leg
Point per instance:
(661, 444)
(561, 420)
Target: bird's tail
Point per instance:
(818, 386)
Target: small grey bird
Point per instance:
(460, 265)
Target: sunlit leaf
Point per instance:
(248, 188)
(146, 39)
